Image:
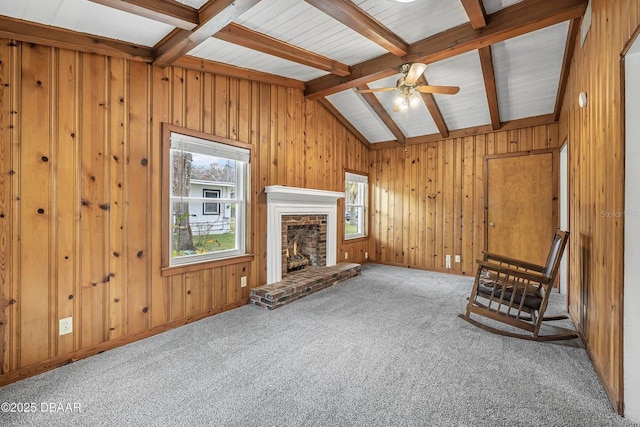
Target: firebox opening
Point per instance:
(304, 240)
(302, 246)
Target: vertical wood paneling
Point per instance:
(66, 160)
(138, 224)
(118, 185)
(35, 205)
(94, 184)
(6, 212)
(85, 148)
(596, 177)
(467, 231)
(431, 208)
(450, 217)
(160, 107)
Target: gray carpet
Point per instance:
(383, 349)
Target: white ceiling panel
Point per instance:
(527, 70)
(414, 122)
(360, 115)
(469, 106)
(418, 20)
(90, 18)
(228, 53)
(196, 4)
(298, 23)
(491, 6)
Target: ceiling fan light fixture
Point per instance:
(400, 101)
(414, 100)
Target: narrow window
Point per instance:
(356, 196)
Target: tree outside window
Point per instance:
(200, 170)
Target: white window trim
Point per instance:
(216, 148)
(360, 206)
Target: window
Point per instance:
(356, 188)
(198, 170)
(210, 208)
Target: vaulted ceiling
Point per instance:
(510, 58)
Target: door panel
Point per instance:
(521, 204)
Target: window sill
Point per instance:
(203, 265)
(354, 239)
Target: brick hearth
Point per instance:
(301, 284)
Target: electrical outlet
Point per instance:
(346, 255)
(448, 261)
(457, 258)
(366, 255)
(65, 326)
(243, 281)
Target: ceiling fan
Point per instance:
(408, 87)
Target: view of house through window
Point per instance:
(356, 188)
(202, 170)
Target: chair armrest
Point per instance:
(512, 261)
(506, 270)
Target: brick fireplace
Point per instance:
(304, 237)
(305, 216)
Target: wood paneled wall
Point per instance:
(80, 194)
(427, 199)
(596, 187)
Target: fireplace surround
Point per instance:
(293, 201)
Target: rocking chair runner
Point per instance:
(516, 293)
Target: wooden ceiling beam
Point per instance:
(486, 62)
(346, 123)
(46, 35)
(199, 64)
(379, 109)
(570, 47)
(475, 12)
(350, 15)
(513, 21)
(166, 11)
(434, 110)
(213, 16)
(237, 34)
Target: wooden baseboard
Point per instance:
(614, 398)
(397, 264)
(47, 365)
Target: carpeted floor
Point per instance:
(383, 349)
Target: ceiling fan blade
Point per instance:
(379, 89)
(445, 90)
(415, 72)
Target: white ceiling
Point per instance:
(527, 68)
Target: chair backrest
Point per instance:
(555, 253)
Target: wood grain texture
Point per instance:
(446, 213)
(596, 187)
(82, 134)
(7, 266)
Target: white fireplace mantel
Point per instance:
(282, 200)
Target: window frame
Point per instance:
(243, 189)
(363, 178)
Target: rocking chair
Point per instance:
(516, 293)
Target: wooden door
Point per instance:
(521, 204)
